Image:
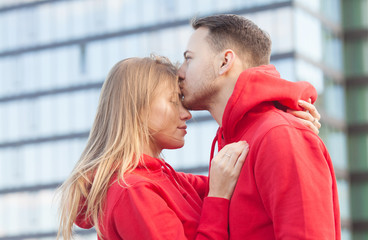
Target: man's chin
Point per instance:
(193, 105)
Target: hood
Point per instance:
(146, 166)
(260, 85)
(82, 220)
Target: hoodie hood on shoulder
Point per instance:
(259, 85)
(147, 166)
(82, 220)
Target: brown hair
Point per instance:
(250, 42)
(116, 141)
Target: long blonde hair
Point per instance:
(116, 140)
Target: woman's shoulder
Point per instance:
(132, 181)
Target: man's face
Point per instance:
(197, 73)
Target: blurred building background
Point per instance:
(54, 56)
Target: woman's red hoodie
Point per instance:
(159, 203)
(287, 187)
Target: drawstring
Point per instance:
(174, 178)
(218, 139)
(214, 141)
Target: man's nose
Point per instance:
(181, 72)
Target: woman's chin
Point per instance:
(175, 145)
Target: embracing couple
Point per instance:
(272, 177)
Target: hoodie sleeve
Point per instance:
(295, 178)
(143, 214)
(199, 182)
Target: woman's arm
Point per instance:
(143, 211)
(199, 183)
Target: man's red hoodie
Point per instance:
(287, 187)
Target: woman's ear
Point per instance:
(227, 61)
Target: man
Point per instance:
(287, 188)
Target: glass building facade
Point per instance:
(54, 56)
(355, 23)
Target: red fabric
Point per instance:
(287, 187)
(159, 203)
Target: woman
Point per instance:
(123, 187)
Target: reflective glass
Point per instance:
(3, 123)
(344, 198)
(9, 3)
(346, 234)
(308, 72)
(332, 50)
(278, 24)
(40, 163)
(32, 164)
(358, 152)
(286, 68)
(333, 98)
(359, 198)
(329, 9)
(332, 10)
(28, 213)
(44, 13)
(336, 144)
(29, 70)
(355, 15)
(308, 35)
(358, 96)
(95, 64)
(356, 57)
(8, 76)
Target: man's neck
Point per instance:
(218, 105)
(227, 85)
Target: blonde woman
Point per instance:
(123, 187)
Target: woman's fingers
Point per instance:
(225, 169)
(309, 117)
(311, 125)
(310, 108)
(240, 161)
(233, 152)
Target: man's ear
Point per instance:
(227, 60)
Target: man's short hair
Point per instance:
(249, 42)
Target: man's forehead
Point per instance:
(198, 34)
(197, 39)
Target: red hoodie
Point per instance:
(159, 203)
(287, 187)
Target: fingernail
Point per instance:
(300, 102)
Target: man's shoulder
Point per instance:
(263, 125)
(276, 118)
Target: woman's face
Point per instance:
(167, 118)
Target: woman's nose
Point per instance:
(184, 113)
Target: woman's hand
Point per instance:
(225, 169)
(310, 116)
